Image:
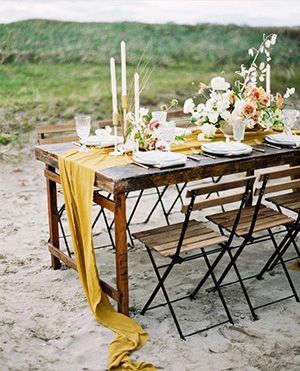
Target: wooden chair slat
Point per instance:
(290, 201)
(168, 228)
(219, 187)
(276, 174)
(218, 201)
(62, 139)
(292, 184)
(56, 128)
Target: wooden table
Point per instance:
(121, 179)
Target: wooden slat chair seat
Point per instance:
(287, 183)
(252, 219)
(165, 240)
(290, 201)
(267, 218)
(178, 242)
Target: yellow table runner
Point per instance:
(77, 171)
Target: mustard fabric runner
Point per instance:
(77, 172)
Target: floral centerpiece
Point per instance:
(144, 132)
(254, 105)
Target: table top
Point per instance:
(125, 178)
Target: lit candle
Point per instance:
(123, 68)
(268, 82)
(113, 85)
(136, 97)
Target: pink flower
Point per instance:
(154, 125)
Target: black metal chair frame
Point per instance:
(249, 240)
(177, 259)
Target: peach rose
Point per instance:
(249, 110)
(153, 125)
(279, 100)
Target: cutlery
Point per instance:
(258, 149)
(193, 158)
(140, 165)
(76, 144)
(204, 154)
(266, 144)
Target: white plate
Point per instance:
(160, 159)
(96, 140)
(154, 157)
(226, 149)
(284, 139)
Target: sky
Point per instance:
(241, 12)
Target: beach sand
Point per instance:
(46, 323)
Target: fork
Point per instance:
(266, 144)
(201, 153)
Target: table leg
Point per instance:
(121, 252)
(53, 217)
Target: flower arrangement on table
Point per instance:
(146, 132)
(245, 102)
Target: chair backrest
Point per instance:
(237, 185)
(182, 119)
(62, 133)
(280, 182)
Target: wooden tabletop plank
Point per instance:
(130, 177)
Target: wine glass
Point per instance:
(160, 116)
(289, 118)
(83, 127)
(238, 126)
(167, 132)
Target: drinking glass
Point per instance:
(160, 116)
(239, 126)
(289, 119)
(83, 127)
(167, 132)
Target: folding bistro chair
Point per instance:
(253, 219)
(287, 201)
(177, 242)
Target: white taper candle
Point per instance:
(136, 97)
(123, 68)
(268, 81)
(113, 85)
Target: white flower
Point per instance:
(268, 43)
(144, 111)
(213, 117)
(289, 92)
(225, 115)
(262, 66)
(250, 52)
(273, 39)
(108, 129)
(188, 106)
(219, 83)
(222, 105)
(200, 107)
(208, 130)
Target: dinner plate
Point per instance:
(159, 158)
(153, 157)
(226, 149)
(284, 139)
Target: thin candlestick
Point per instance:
(123, 69)
(113, 85)
(268, 82)
(136, 97)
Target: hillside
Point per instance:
(50, 70)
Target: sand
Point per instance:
(47, 325)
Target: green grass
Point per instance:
(52, 70)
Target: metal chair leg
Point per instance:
(157, 203)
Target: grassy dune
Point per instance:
(51, 70)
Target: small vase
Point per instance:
(227, 130)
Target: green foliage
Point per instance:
(53, 70)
